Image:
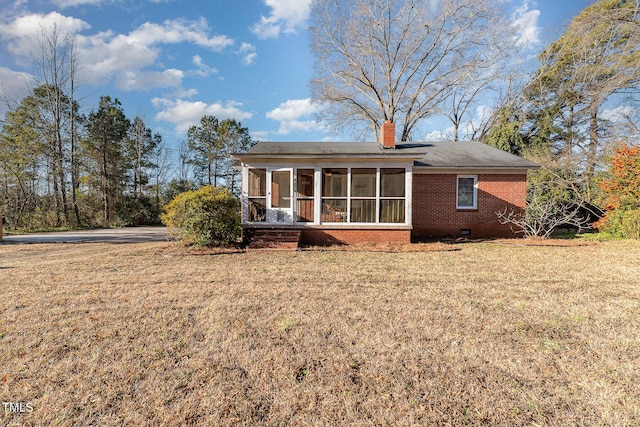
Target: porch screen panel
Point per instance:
(281, 189)
(334, 195)
(257, 195)
(363, 195)
(392, 195)
(305, 206)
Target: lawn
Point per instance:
(490, 333)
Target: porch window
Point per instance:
(334, 195)
(467, 192)
(257, 195)
(367, 195)
(304, 195)
(363, 195)
(281, 189)
(392, 195)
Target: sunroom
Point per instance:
(331, 193)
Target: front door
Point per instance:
(280, 197)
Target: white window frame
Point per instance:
(475, 191)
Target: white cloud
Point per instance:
(22, 32)
(290, 114)
(249, 58)
(19, 3)
(293, 109)
(174, 31)
(123, 58)
(525, 21)
(69, 3)
(14, 86)
(248, 52)
(286, 15)
(107, 55)
(184, 114)
(146, 80)
(203, 69)
(438, 135)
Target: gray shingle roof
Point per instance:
(425, 154)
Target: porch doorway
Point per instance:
(280, 195)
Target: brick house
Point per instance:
(332, 192)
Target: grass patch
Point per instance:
(488, 334)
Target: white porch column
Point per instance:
(244, 194)
(317, 195)
(409, 195)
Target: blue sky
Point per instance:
(173, 61)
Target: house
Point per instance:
(333, 192)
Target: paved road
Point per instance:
(115, 235)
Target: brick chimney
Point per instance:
(388, 135)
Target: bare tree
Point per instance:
(379, 60)
(55, 62)
(552, 202)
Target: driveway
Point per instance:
(111, 235)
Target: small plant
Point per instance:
(205, 217)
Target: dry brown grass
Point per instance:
(490, 334)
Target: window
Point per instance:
(392, 195)
(257, 180)
(467, 192)
(304, 195)
(334, 194)
(363, 195)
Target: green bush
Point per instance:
(205, 217)
(622, 223)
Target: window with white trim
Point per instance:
(364, 195)
(467, 192)
(334, 194)
(257, 180)
(392, 195)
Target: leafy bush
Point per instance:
(621, 223)
(206, 217)
(138, 211)
(622, 190)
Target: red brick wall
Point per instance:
(434, 205)
(324, 237)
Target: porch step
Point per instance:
(275, 239)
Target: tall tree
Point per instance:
(22, 162)
(397, 60)
(55, 68)
(141, 146)
(32, 127)
(205, 147)
(595, 60)
(235, 139)
(106, 131)
(212, 144)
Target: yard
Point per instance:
(465, 334)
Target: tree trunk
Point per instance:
(592, 150)
(105, 185)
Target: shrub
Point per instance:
(622, 191)
(205, 217)
(621, 223)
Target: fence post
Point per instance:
(1, 225)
